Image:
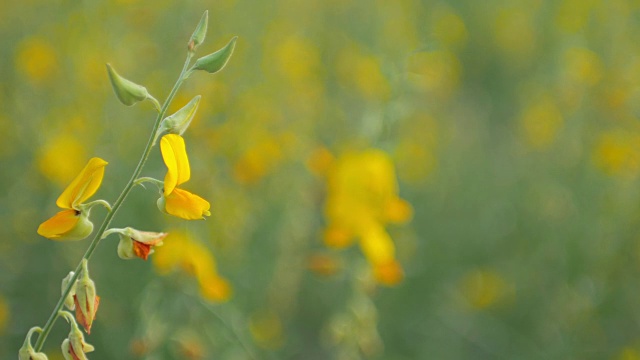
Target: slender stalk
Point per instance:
(42, 337)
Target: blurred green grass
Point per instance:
(512, 126)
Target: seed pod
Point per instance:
(128, 92)
(215, 62)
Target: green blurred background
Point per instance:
(512, 126)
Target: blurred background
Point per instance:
(389, 179)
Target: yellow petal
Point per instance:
(59, 224)
(175, 157)
(215, 288)
(186, 205)
(84, 185)
(169, 256)
(377, 245)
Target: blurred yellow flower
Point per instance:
(174, 200)
(65, 147)
(514, 33)
(583, 66)
(448, 28)
(72, 222)
(36, 59)
(436, 72)
(628, 353)
(573, 15)
(4, 314)
(363, 197)
(363, 72)
(323, 264)
(618, 153)
(298, 59)
(183, 252)
(483, 288)
(258, 160)
(319, 161)
(541, 121)
(266, 329)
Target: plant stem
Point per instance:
(42, 337)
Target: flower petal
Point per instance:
(84, 316)
(215, 288)
(59, 224)
(175, 157)
(389, 273)
(398, 211)
(377, 246)
(84, 185)
(141, 250)
(186, 205)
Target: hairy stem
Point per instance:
(42, 337)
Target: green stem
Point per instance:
(42, 337)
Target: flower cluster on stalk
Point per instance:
(78, 290)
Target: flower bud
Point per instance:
(86, 300)
(213, 63)
(74, 347)
(135, 243)
(27, 352)
(68, 301)
(128, 92)
(181, 119)
(199, 34)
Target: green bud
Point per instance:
(74, 346)
(180, 120)
(213, 63)
(129, 93)
(86, 299)
(27, 352)
(68, 301)
(199, 34)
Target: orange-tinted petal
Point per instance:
(389, 273)
(59, 224)
(186, 205)
(141, 250)
(323, 264)
(337, 237)
(84, 185)
(174, 154)
(215, 288)
(86, 321)
(398, 211)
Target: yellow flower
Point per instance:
(362, 198)
(176, 201)
(181, 251)
(72, 223)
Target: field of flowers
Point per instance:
(407, 179)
